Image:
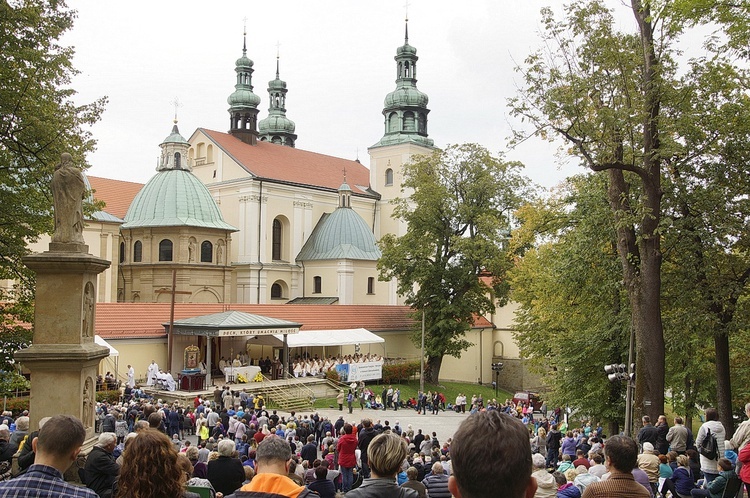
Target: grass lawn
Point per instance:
(449, 389)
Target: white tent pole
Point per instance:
(208, 361)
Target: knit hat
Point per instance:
(648, 446)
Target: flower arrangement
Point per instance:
(258, 377)
(241, 379)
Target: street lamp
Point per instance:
(497, 368)
(421, 359)
(619, 372)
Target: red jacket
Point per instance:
(744, 457)
(345, 447)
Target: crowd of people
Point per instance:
(245, 450)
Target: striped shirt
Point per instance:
(618, 485)
(42, 481)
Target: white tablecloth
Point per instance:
(249, 372)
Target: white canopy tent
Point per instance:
(113, 359)
(339, 337)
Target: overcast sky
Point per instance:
(337, 60)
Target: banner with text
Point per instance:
(355, 372)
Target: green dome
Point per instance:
(406, 96)
(175, 198)
(175, 137)
(341, 235)
(276, 123)
(242, 97)
(243, 62)
(276, 84)
(406, 49)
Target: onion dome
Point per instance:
(405, 108)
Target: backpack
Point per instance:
(709, 446)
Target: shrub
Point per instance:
(395, 373)
(333, 375)
(112, 396)
(17, 405)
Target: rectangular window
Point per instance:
(317, 285)
(371, 285)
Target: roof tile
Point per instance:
(291, 165)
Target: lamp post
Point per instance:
(421, 359)
(497, 368)
(617, 372)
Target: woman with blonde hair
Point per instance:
(539, 442)
(151, 469)
(385, 455)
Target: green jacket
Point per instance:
(716, 488)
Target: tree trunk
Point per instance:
(432, 369)
(613, 428)
(723, 384)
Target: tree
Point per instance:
(457, 207)
(573, 315)
(38, 122)
(671, 140)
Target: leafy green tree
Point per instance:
(38, 122)
(573, 315)
(456, 207)
(616, 98)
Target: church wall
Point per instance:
(136, 352)
(151, 280)
(104, 242)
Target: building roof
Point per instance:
(175, 197)
(116, 194)
(294, 166)
(234, 319)
(342, 234)
(116, 320)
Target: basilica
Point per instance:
(243, 218)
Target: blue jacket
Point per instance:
(568, 490)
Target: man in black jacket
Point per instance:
(101, 469)
(366, 435)
(7, 449)
(309, 451)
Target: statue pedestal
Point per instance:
(63, 358)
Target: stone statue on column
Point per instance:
(68, 191)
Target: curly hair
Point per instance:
(150, 468)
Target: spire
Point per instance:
(405, 108)
(243, 103)
(277, 128)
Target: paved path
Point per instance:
(444, 424)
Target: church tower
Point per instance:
(405, 111)
(243, 103)
(277, 128)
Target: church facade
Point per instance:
(245, 217)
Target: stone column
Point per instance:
(63, 358)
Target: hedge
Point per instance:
(395, 373)
(112, 396)
(17, 405)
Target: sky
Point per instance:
(336, 57)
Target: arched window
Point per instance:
(207, 252)
(122, 252)
(177, 158)
(137, 251)
(165, 250)
(388, 177)
(409, 121)
(371, 285)
(276, 291)
(393, 122)
(317, 285)
(210, 153)
(276, 244)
